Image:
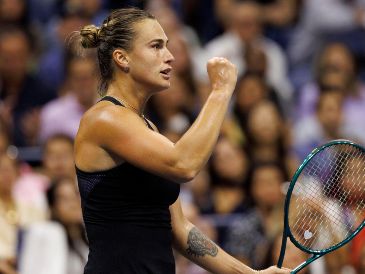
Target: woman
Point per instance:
(57, 246)
(128, 173)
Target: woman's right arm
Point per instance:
(124, 133)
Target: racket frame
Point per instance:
(287, 233)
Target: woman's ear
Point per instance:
(121, 59)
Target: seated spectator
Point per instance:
(245, 30)
(317, 22)
(52, 68)
(63, 115)
(58, 159)
(170, 109)
(336, 67)
(228, 168)
(57, 162)
(57, 246)
(269, 138)
(251, 89)
(248, 237)
(328, 123)
(21, 94)
(15, 215)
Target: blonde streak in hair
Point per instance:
(73, 42)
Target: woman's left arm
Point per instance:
(194, 245)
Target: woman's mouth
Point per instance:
(166, 73)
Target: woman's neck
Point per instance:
(129, 93)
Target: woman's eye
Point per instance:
(157, 46)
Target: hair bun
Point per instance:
(90, 36)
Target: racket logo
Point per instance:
(308, 234)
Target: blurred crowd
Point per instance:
(301, 83)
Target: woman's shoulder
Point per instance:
(99, 118)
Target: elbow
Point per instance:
(184, 174)
(188, 175)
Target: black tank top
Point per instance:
(127, 219)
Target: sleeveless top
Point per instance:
(127, 219)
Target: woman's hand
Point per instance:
(222, 74)
(274, 270)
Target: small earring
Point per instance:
(126, 69)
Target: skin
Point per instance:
(101, 143)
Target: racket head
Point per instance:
(324, 168)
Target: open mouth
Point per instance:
(166, 73)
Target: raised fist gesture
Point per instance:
(222, 74)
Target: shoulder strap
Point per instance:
(148, 124)
(111, 99)
(116, 102)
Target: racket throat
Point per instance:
(307, 262)
(282, 251)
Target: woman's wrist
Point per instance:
(220, 95)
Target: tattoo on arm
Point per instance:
(200, 245)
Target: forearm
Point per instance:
(196, 145)
(195, 246)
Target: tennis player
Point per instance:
(129, 175)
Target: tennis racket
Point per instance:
(325, 202)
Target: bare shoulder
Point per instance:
(97, 126)
(98, 119)
(106, 124)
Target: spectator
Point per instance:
(325, 125)
(245, 29)
(320, 23)
(63, 115)
(337, 69)
(21, 93)
(170, 109)
(268, 138)
(248, 237)
(318, 20)
(58, 160)
(14, 214)
(57, 246)
(251, 89)
(228, 169)
(52, 62)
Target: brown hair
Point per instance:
(116, 32)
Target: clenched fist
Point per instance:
(222, 74)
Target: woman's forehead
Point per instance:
(149, 30)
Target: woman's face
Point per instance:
(58, 159)
(266, 186)
(339, 56)
(67, 203)
(250, 91)
(150, 60)
(264, 123)
(229, 161)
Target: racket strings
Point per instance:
(327, 202)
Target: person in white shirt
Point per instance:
(245, 30)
